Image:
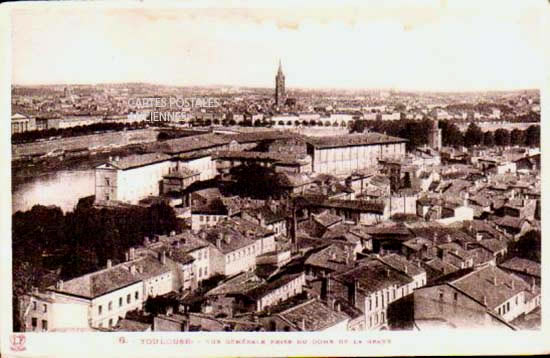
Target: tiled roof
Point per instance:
(418, 243)
(400, 263)
(493, 245)
(510, 222)
(192, 143)
(492, 285)
(332, 257)
(352, 140)
(138, 160)
(267, 156)
(315, 315)
(456, 250)
(98, 283)
(258, 136)
(260, 291)
(243, 282)
(373, 276)
(441, 266)
(327, 219)
(521, 265)
(266, 214)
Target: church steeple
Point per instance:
(280, 94)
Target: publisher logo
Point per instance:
(17, 342)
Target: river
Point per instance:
(62, 188)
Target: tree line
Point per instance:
(31, 136)
(417, 133)
(45, 240)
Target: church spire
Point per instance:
(280, 67)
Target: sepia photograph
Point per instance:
(274, 169)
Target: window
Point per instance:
(441, 295)
(44, 325)
(128, 298)
(34, 305)
(507, 306)
(205, 271)
(201, 218)
(111, 322)
(44, 308)
(120, 302)
(208, 219)
(34, 322)
(200, 271)
(110, 306)
(200, 255)
(517, 301)
(99, 309)
(136, 295)
(205, 254)
(455, 296)
(107, 182)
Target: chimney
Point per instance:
(352, 293)
(140, 269)
(219, 243)
(479, 236)
(59, 285)
(132, 254)
(117, 158)
(513, 285)
(406, 269)
(109, 263)
(495, 282)
(110, 158)
(227, 237)
(162, 257)
(169, 310)
(303, 324)
(146, 241)
(337, 307)
(172, 233)
(294, 228)
(133, 269)
(126, 256)
(449, 239)
(484, 298)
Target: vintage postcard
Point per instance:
(273, 178)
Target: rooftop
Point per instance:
(138, 160)
(314, 315)
(352, 140)
(521, 265)
(491, 285)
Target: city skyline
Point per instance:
(461, 51)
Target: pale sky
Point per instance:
(421, 45)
